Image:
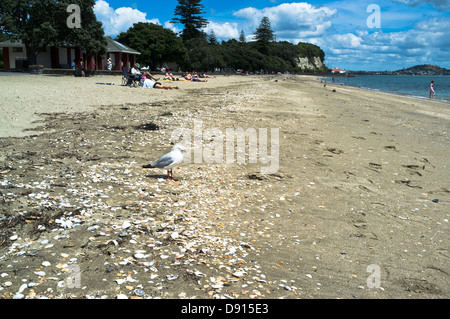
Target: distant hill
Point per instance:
(424, 69)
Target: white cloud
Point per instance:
(227, 30)
(119, 20)
(339, 28)
(291, 20)
(348, 40)
(171, 26)
(427, 43)
(443, 5)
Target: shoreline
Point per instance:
(362, 185)
(15, 124)
(424, 98)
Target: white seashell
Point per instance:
(120, 281)
(238, 274)
(126, 224)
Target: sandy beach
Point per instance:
(358, 208)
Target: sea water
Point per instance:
(416, 86)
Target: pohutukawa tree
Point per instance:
(156, 44)
(40, 23)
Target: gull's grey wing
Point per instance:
(163, 162)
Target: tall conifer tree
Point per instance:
(264, 35)
(189, 13)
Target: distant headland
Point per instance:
(424, 69)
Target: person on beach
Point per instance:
(432, 93)
(189, 77)
(205, 76)
(109, 64)
(148, 75)
(169, 76)
(147, 83)
(136, 72)
(80, 67)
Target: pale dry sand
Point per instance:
(24, 96)
(363, 185)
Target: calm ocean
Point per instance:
(417, 86)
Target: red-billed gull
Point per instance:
(169, 161)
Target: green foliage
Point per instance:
(39, 23)
(212, 39)
(156, 44)
(310, 50)
(201, 55)
(263, 54)
(233, 54)
(264, 36)
(189, 13)
(91, 35)
(242, 38)
(264, 33)
(280, 57)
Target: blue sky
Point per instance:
(354, 36)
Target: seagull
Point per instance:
(168, 161)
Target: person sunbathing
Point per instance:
(149, 76)
(189, 77)
(169, 77)
(147, 83)
(205, 76)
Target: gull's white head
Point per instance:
(179, 148)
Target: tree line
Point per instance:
(42, 23)
(194, 49)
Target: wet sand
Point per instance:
(359, 207)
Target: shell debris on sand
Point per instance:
(88, 197)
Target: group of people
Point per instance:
(194, 77)
(79, 67)
(147, 80)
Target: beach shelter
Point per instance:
(121, 55)
(15, 56)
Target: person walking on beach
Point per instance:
(432, 89)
